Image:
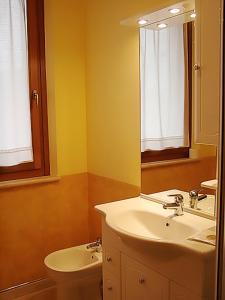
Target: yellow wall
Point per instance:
(65, 57)
(112, 95)
(112, 88)
(102, 79)
(36, 220)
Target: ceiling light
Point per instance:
(162, 25)
(193, 15)
(174, 10)
(142, 22)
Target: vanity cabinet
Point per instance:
(139, 282)
(207, 64)
(111, 286)
(111, 272)
(134, 273)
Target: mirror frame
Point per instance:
(220, 249)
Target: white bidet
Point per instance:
(77, 272)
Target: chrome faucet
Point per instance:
(195, 197)
(96, 245)
(178, 205)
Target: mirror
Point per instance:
(172, 162)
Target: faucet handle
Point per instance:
(178, 197)
(95, 244)
(98, 241)
(194, 193)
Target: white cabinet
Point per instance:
(111, 286)
(111, 272)
(139, 282)
(207, 73)
(111, 260)
(129, 274)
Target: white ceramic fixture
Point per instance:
(143, 220)
(73, 269)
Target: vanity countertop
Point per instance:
(125, 218)
(210, 184)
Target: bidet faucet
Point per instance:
(96, 245)
(194, 198)
(178, 204)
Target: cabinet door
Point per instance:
(139, 282)
(180, 293)
(111, 260)
(207, 71)
(111, 286)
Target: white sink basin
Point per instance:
(149, 225)
(145, 220)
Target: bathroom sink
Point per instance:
(150, 225)
(144, 220)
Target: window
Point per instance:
(166, 88)
(23, 109)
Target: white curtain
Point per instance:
(162, 70)
(15, 124)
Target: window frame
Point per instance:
(149, 156)
(38, 107)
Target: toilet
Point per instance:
(77, 272)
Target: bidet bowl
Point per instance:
(73, 263)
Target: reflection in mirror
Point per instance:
(171, 161)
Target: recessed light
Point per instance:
(142, 22)
(174, 10)
(162, 25)
(193, 15)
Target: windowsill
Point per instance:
(28, 181)
(163, 163)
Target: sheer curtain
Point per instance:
(15, 124)
(162, 63)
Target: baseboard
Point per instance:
(43, 289)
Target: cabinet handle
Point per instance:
(109, 288)
(196, 67)
(141, 280)
(109, 259)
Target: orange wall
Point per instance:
(183, 176)
(103, 190)
(36, 220)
